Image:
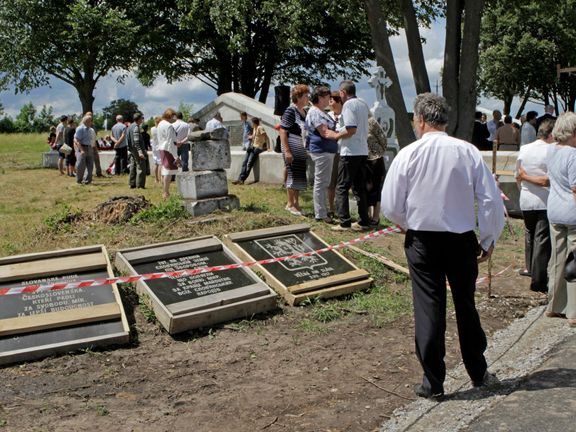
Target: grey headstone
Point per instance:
(210, 205)
(215, 135)
(202, 184)
(200, 300)
(210, 155)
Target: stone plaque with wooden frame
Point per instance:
(325, 275)
(35, 325)
(201, 300)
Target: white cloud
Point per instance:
(153, 100)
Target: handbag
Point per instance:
(570, 268)
(66, 149)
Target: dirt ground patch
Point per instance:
(270, 373)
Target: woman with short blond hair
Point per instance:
(561, 163)
(168, 149)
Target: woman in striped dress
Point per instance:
(293, 138)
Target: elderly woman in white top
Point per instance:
(561, 162)
(168, 148)
(155, 150)
(532, 177)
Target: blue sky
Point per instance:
(153, 100)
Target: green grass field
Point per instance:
(41, 210)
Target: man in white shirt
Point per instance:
(182, 129)
(494, 124)
(430, 191)
(353, 156)
(531, 175)
(216, 123)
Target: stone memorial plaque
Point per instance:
(36, 324)
(204, 299)
(327, 274)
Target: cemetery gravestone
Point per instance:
(201, 300)
(319, 275)
(204, 189)
(37, 324)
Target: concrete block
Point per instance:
(210, 155)
(202, 184)
(216, 135)
(210, 205)
(50, 159)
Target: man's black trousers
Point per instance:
(434, 257)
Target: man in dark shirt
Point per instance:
(480, 134)
(69, 132)
(137, 149)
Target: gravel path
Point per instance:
(513, 353)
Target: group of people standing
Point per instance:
(505, 132)
(347, 150)
(546, 174)
(77, 147)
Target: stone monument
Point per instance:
(381, 111)
(323, 275)
(204, 189)
(39, 324)
(200, 300)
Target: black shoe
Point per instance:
(487, 380)
(427, 394)
(524, 272)
(132, 187)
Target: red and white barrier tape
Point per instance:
(188, 272)
(485, 278)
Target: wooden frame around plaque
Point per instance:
(298, 280)
(35, 325)
(207, 298)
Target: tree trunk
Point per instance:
(415, 53)
(523, 104)
(450, 72)
(269, 67)
(85, 89)
(224, 73)
(384, 58)
(555, 98)
(507, 104)
(469, 56)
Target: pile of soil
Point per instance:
(119, 209)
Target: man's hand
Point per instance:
(485, 255)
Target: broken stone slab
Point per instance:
(215, 135)
(202, 184)
(209, 205)
(210, 155)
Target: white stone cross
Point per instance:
(380, 82)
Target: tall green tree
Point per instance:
(44, 119)
(463, 18)
(24, 121)
(75, 41)
(384, 18)
(245, 45)
(126, 108)
(522, 42)
(463, 24)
